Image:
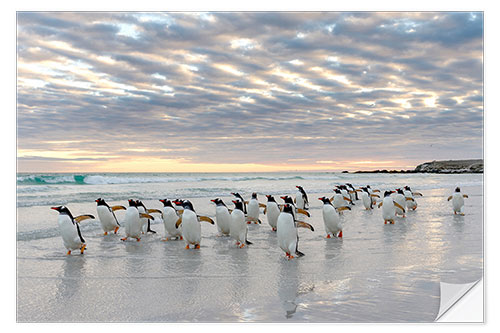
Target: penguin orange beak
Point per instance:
(283, 198)
(234, 201)
(320, 199)
(162, 200)
(54, 208)
(213, 200)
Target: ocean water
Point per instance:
(375, 273)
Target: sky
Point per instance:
(247, 91)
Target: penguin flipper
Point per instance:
(302, 211)
(449, 198)
(146, 216)
(152, 210)
(399, 206)
(118, 207)
(149, 228)
(343, 208)
(418, 194)
(465, 196)
(79, 233)
(262, 205)
(206, 219)
(81, 218)
(306, 225)
(380, 204)
(247, 242)
(178, 223)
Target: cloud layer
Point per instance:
(310, 89)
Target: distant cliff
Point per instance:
(453, 166)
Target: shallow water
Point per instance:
(376, 273)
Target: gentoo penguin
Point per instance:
(191, 227)
(331, 218)
(69, 229)
(288, 237)
(352, 191)
(372, 194)
(289, 200)
(170, 218)
(222, 217)
(399, 197)
(146, 222)
(389, 207)
(272, 211)
(132, 221)
(301, 198)
(411, 203)
(457, 201)
(107, 216)
(345, 192)
(238, 196)
(254, 210)
(366, 198)
(339, 199)
(239, 229)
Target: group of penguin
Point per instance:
(181, 221)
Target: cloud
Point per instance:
(251, 87)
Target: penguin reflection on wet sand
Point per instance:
(457, 201)
(288, 237)
(70, 230)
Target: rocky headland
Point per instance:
(451, 166)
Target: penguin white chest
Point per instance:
(331, 219)
(253, 208)
(191, 228)
(400, 200)
(287, 233)
(223, 219)
(299, 199)
(338, 200)
(366, 199)
(388, 209)
(238, 228)
(106, 218)
(170, 217)
(132, 223)
(272, 211)
(69, 233)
